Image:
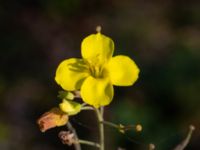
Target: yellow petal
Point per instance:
(71, 73)
(122, 71)
(97, 46)
(97, 91)
(70, 107)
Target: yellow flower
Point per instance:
(96, 73)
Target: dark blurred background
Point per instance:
(163, 37)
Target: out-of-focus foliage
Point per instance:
(163, 37)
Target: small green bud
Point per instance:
(66, 95)
(70, 107)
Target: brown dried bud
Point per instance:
(67, 137)
(53, 118)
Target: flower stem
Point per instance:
(102, 129)
(185, 142)
(123, 128)
(100, 113)
(111, 124)
(87, 108)
(89, 143)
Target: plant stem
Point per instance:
(102, 129)
(185, 142)
(111, 124)
(87, 108)
(99, 113)
(77, 145)
(89, 143)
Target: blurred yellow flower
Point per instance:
(96, 73)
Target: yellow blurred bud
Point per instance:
(70, 107)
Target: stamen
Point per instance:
(95, 68)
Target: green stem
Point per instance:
(123, 128)
(102, 129)
(185, 142)
(99, 113)
(87, 108)
(89, 143)
(111, 124)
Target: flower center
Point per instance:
(96, 69)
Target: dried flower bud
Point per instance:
(67, 137)
(53, 118)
